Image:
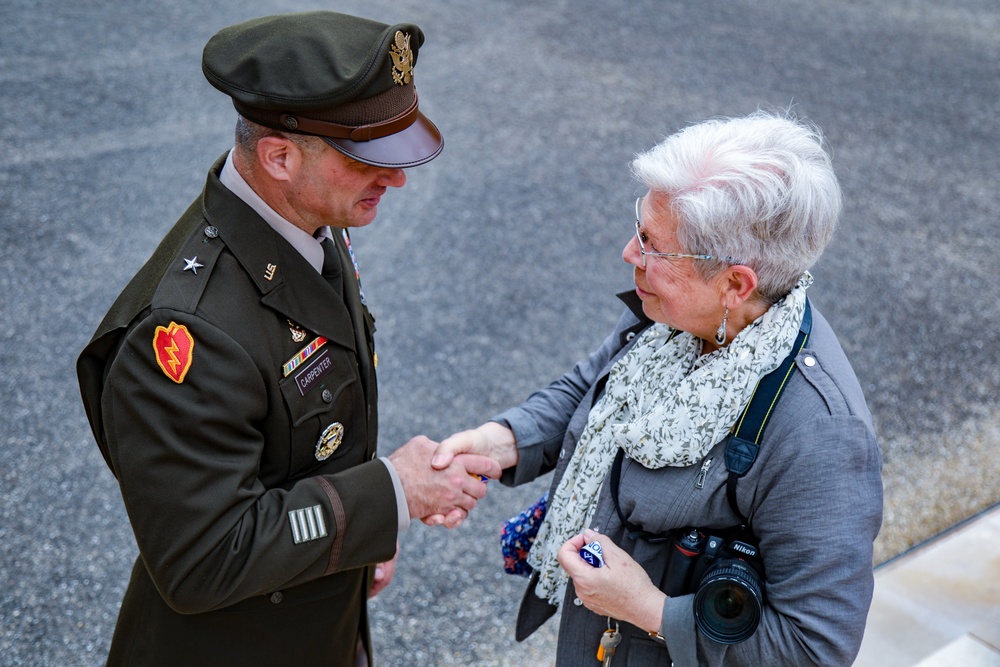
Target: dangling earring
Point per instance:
(720, 333)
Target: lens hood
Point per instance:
(729, 602)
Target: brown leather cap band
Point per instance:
(323, 128)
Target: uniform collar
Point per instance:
(298, 238)
(287, 281)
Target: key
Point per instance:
(609, 641)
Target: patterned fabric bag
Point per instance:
(517, 536)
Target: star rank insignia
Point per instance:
(192, 265)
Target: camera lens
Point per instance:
(727, 607)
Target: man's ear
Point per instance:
(279, 157)
(739, 283)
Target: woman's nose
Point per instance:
(631, 254)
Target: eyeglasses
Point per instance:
(668, 255)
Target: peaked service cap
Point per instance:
(346, 79)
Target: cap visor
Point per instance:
(419, 143)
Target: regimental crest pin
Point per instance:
(402, 59)
(298, 333)
(329, 440)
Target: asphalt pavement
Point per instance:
(495, 268)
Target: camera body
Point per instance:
(724, 570)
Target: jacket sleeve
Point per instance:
(540, 424)
(187, 456)
(817, 512)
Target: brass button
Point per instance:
(211, 231)
(327, 396)
(277, 597)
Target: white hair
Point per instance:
(758, 190)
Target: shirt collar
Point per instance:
(307, 245)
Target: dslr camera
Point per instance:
(724, 570)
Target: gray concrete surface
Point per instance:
(938, 604)
(494, 269)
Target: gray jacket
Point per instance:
(813, 497)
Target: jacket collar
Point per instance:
(287, 282)
(634, 304)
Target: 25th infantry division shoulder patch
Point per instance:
(174, 349)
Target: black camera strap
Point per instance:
(747, 432)
(745, 436)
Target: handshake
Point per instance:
(443, 481)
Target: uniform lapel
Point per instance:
(288, 283)
(352, 298)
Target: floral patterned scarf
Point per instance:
(665, 404)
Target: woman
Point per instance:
(736, 212)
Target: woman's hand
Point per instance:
(491, 439)
(621, 589)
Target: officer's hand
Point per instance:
(491, 439)
(383, 574)
(438, 492)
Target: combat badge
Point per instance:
(174, 350)
(329, 441)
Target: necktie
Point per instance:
(350, 292)
(331, 266)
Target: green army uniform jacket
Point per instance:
(226, 390)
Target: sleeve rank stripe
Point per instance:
(307, 524)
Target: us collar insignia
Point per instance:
(329, 440)
(402, 59)
(302, 355)
(298, 333)
(174, 349)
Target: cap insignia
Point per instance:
(174, 347)
(402, 59)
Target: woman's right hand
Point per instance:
(491, 439)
